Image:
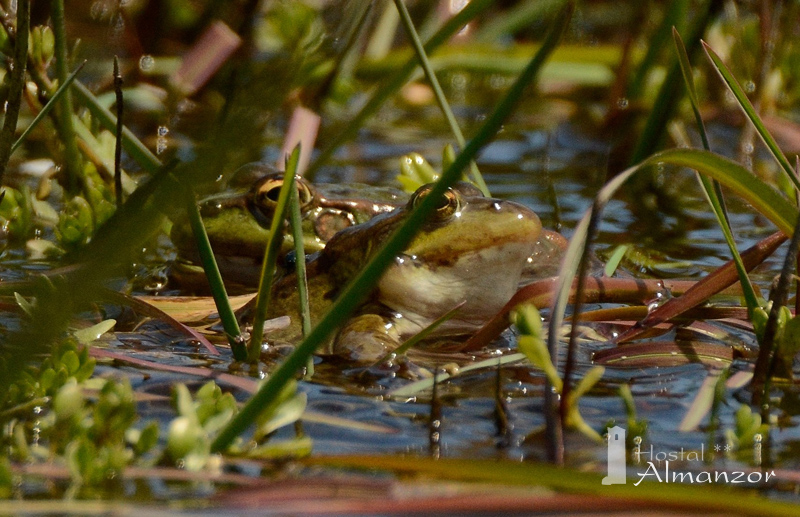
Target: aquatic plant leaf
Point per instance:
(712, 188)
(271, 258)
(701, 404)
(751, 114)
(47, 107)
(217, 286)
(90, 334)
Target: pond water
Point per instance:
(553, 166)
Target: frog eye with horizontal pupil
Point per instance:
(446, 205)
(268, 191)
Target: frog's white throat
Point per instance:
(484, 279)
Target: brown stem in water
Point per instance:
(16, 85)
(768, 347)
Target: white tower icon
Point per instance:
(616, 457)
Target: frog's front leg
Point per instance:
(366, 338)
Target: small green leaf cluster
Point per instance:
(81, 216)
(16, 214)
(97, 439)
(67, 363)
(532, 344)
(42, 46)
(787, 337)
(748, 429)
(201, 418)
(415, 171)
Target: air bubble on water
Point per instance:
(163, 130)
(757, 437)
(748, 148)
(622, 103)
(458, 81)
(749, 86)
(146, 63)
(119, 23)
(497, 82)
(97, 10)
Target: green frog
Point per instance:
(238, 222)
(472, 250)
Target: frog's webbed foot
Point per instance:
(365, 339)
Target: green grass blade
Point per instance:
(300, 254)
(218, 292)
(416, 387)
(712, 188)
(394, 83)
(750, 112)
(47, 107)
(296, 225)
(437, 90)
(369, 275)
(72, 156)
(132, 145)
(271, 258)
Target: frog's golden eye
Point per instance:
(268, 190)
(446, 205)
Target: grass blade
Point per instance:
(271, 258)
(712, 188)
(47, 107)
(750, 112)
(220, 295)
(437, 90)
(296, 225)
(72, 156)
(419, 336)
(369, 275)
